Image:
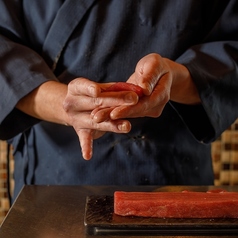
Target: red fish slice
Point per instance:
(122, 86)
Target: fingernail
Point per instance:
(129, 98)
(122, 126)
(92, 90)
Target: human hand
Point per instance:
(151, 74)
(83, 96)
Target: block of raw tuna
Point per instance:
(213, 204)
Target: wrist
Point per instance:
(45, 102)
(183, 89)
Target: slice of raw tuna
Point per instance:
(123, 86)
(177, 204)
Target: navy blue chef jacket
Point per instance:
(103, 40)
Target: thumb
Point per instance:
(148, 72)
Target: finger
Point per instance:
(147, 106)
(139, 110)
(101, 114)
(86, 143)
(84, 121)
(83, 86)
(105, 100)
(86, 136)
(148, 72)
(112, 99)
(117, 126)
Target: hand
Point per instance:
(72, 105)
(151, 74)
(82, 98)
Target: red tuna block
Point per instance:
(122, 86)
(177, 204)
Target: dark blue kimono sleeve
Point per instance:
(213, 65)
(21, 70)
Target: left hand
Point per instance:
(152, 76)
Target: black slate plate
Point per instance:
(100, 220)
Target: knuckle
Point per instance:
(66, 105)
(72, 83)
(144, 107)
(156, 58)
(93, 125)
